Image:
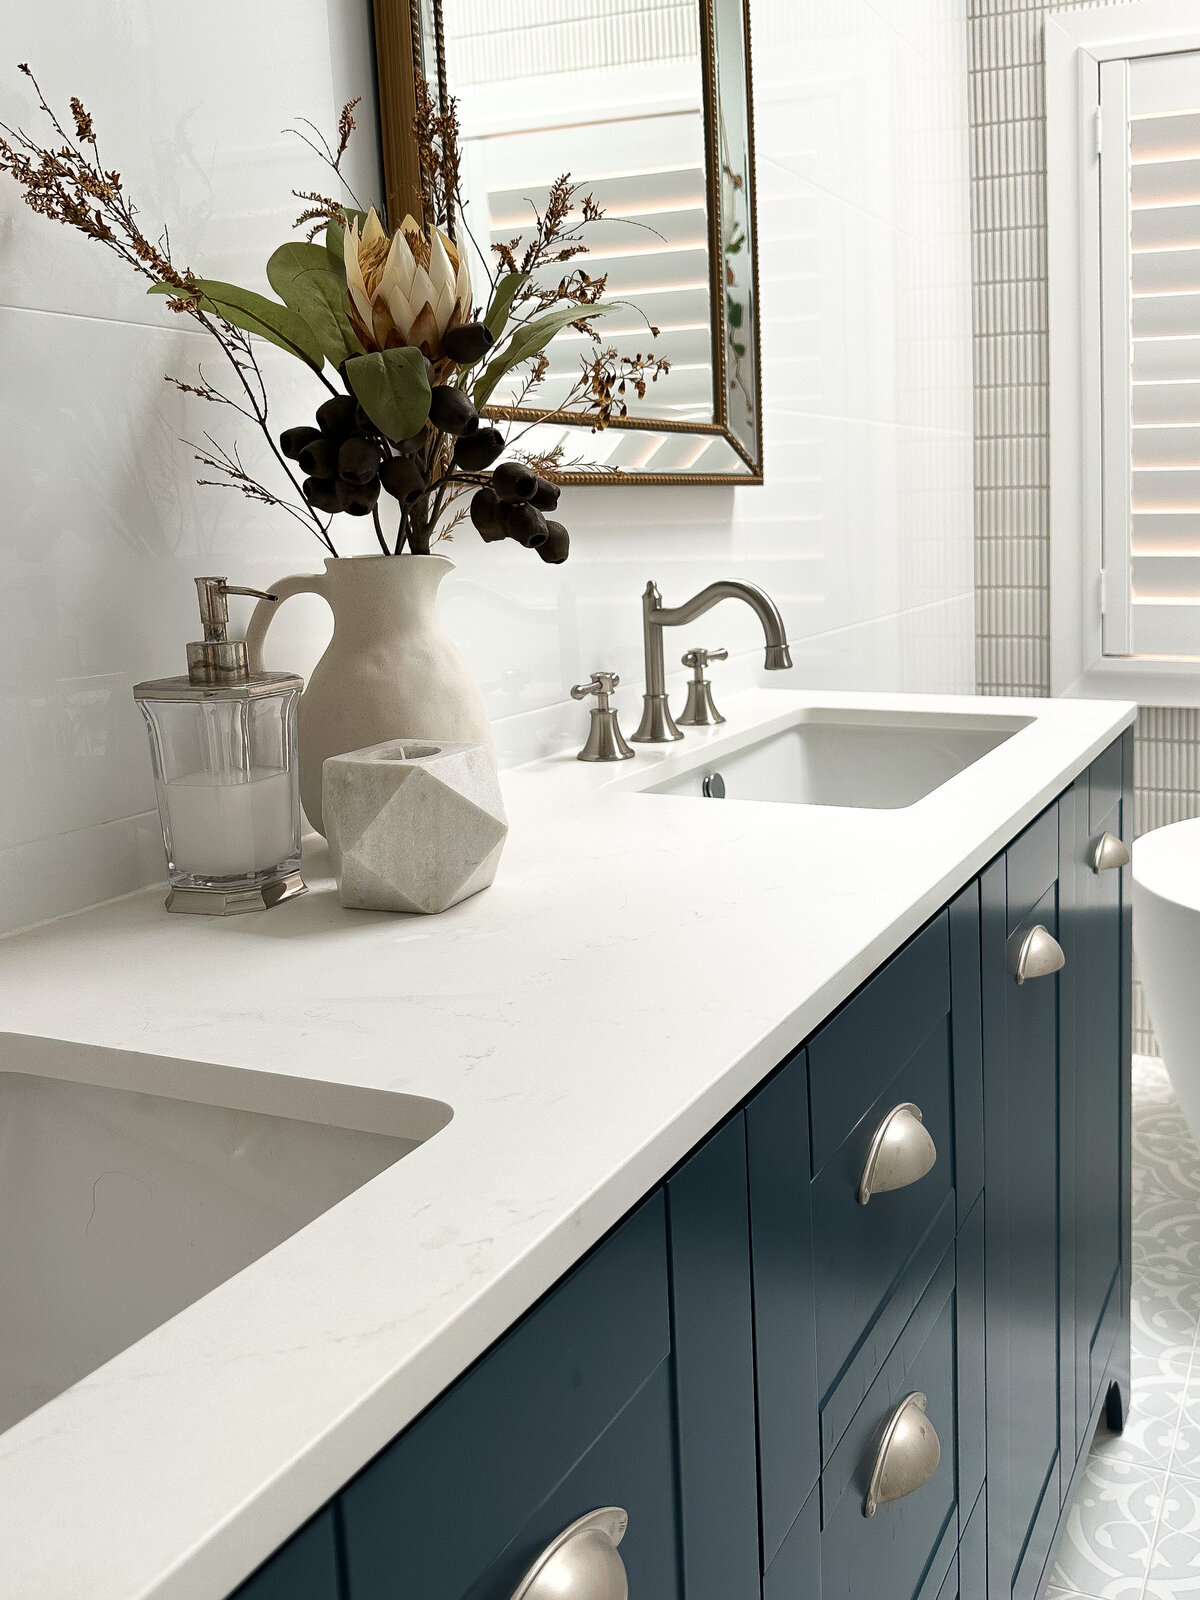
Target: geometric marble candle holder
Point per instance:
(412, 825)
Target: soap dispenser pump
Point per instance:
(223, 747)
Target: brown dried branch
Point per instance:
(324, 151)
(69, 184)
(436, 135)
(553, 463)
(608, 377)
(215, 457)
(558, 237)
(320, 210)
(446, 528)
(347, 123)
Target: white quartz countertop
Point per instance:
(639, 965)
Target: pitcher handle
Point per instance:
(265, 610)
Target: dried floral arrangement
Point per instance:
(387, 323)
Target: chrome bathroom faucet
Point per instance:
(657, 725)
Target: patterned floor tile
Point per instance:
(1151, 1429)
(1164, 1318)
(1105, 1552)
(1186, 1461)
(1175, 1562)
(1133, 1532)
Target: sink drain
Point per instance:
(713, 786)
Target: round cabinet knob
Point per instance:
(1109, 852)
(908, 1454)
(902, 1150)
(582, 1563)
(1040, 954)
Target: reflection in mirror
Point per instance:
(647, 107)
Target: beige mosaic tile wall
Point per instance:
(1012, 534)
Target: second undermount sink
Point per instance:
(120, 1208)
(874, 760)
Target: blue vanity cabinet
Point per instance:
(305, 1569)
(724, 1365)
(1025, 1435)
(1098, 978)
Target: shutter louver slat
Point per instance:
(1166, 402)
(1165, 446)
(1166, 316)
(1166, 228)
(1166, 271)
(1165, 138)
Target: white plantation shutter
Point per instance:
(1150, 316)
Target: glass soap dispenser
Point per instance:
(223, 744)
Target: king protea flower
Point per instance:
(406, 290)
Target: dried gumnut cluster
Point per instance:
(341, 458)
(347, 460)
(514, 506)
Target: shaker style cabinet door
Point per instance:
(1019, 904)
(1100, 961)
(305, 1569)
(571, 1412)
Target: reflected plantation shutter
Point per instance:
(1150, 314)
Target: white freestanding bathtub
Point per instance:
(1166, 913)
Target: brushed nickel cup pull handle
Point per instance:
(1040, 954)
(902, 1150)
(908, 1454)
(1108, 852)
(582, 1563)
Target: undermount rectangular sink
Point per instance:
(120, 1208)
(872, 760)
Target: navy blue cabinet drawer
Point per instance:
(305, 1569)
(907, 1545)
(852, 1059)
(631, 1466)
(860, 1250)
(438, 1509)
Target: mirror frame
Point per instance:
(400, 55)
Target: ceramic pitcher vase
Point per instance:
(389, 671)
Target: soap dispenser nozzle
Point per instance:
(218, 659)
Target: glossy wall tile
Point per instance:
(862, 531)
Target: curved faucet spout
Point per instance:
(657, 725)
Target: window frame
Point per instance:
(1077, 44)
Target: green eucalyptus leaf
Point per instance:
(503, 296)
(254, 313)
(392, 386)
(302, 277)
(530, 339)
(335, 249)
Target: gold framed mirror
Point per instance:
(650, 111)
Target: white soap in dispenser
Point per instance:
(223, 744)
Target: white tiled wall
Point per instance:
(862, 531)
